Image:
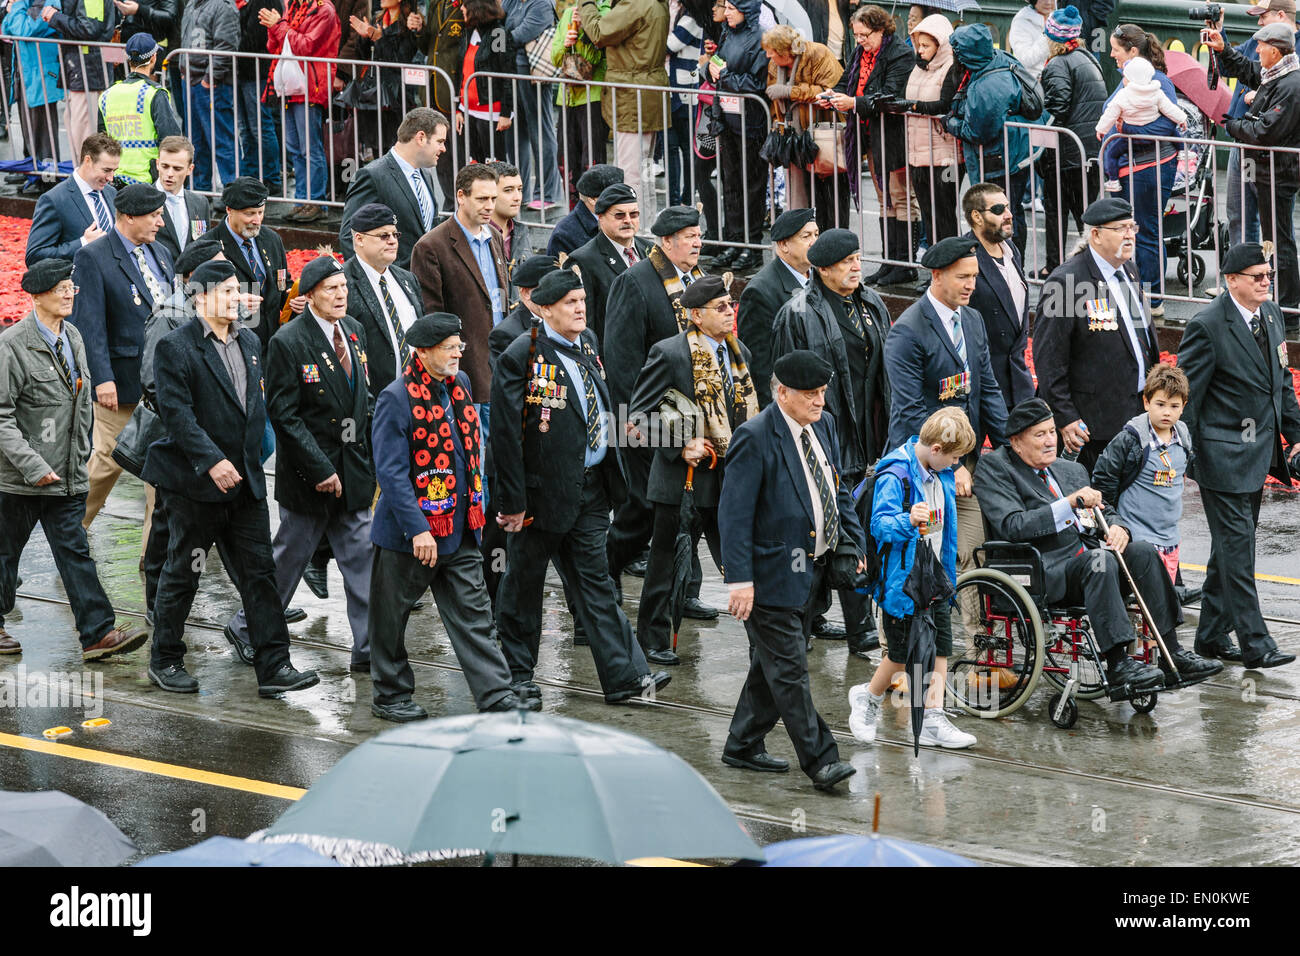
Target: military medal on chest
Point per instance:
(1101, 316)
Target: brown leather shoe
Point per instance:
(117, 641)
(9, 645)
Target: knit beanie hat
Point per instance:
(1064, 25)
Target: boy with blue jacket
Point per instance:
(915, 506)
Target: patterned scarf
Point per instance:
(1282, 67)
(433, 450)
(711, 388)
(673, 286)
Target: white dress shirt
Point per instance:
(950, 319)
(1108, 272)
(405, 311)
(432, 203)
(180, 216)
(799, 277)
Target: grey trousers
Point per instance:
(397, 582)
(295, 541)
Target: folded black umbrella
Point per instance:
(927, 585)
(683, 546)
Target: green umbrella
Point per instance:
(519, 783)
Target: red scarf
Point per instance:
(433, 450)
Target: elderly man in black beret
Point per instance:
(784, 512)
(428, 526)
(256, 252)
(44, 392)
(612, 251)
(210, 385)
(837, 317)
(1028, 494)
(579, 226)
(559, 470)
(1242, 405)
(1094, 337)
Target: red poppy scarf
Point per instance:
(433, 449)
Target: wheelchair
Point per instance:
(1015, 639)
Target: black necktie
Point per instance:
(855, 318)
(826, 494)
(63, 363)
(1261, 336)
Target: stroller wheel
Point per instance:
(1198, 270)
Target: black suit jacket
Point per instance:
(1242, 402)
(772, 287)
(321, 422)
(519, 321)
(1082, 374)
(198, 406)
(637, 315)
(382, 181)
(1008, 333)
(58, 221)
(669, 366)
(275, 287)
(601, 263)
(111, 310)
(365, 307)
(542, 472)
(200, 212)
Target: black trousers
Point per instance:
(1230, 601)
(1093, 579)
(155, 551)
(777, 688)
(242, 526)
(1278, 204)
(744, 187)
(932, 184)
(586, 135)
(654, 622)
(1058, 214)
(634, 520)
(60, 518)
(577, 553)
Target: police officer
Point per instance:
(138, 113)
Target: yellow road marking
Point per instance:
(1275, 578)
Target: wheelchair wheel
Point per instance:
(1068, 715)
(1145, 703)
(997, 654)
(1057, 654)
(1198, 270)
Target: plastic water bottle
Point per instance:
(1074, 455)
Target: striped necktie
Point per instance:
(830, 513)
(593, 414)
(398, 331)
(63, 363)
(150, 280)
(958, 337)
(258, 272)
(101, 211)
(417, 186)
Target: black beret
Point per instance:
(1027, 414)
(432, 329)
(138, 199)
(213, 272)
(614, 195)
(316, 272)
(529, 272)
(703, 291)
(195, 254)
(832, 246)
(593, 181)
(790, 222)
(675, 219)
(1241, 257)
(244, 193)
(555, 286)
(1107, 210)
(373, 215)
(802, 370)
(947, 251)
(45, 275)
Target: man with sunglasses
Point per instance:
(609, 253)
(1094, 338)
(1242, 404)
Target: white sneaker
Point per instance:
(864, 713)
(1112, 186)
(938, 731)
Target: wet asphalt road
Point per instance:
(1212, 776)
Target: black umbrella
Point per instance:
(927, 584)
(683, 546)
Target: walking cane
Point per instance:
(1142, 605)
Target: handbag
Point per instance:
(539, 53)
(828, 138)
(679, 417)
(706, 143)
(576, 67)
(142, 429)
(289, 78)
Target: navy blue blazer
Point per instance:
(397, 517)
(765, 514)
(1008, 333)
(199, 408)
(61, 216)
(576, 229)
(919, 353)
(112, 307)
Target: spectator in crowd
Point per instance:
(84, 72)
(187, 213)
(877, 75)
(978, 118)
(830, 25)
(798, 72)
(585, 132)
(634, 36)
(259, 107)
(212, 25)
(706, 146)
(685, 44)
(1026, 40)
(1096, 16)
(42, 90)
(515, 240)
(1073, 94)
(441, 30)
(1140, 103)
(80, 208)
(379, 92)
(611, 252)
(161, 19)
(487, 102)
(579, 226)
(350, 37)
(137, 112)
(535, 141)
(311, 27)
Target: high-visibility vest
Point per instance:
(127, 110)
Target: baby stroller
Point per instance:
(1193, 200)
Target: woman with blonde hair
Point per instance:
(798, 72)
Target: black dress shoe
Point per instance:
(668, 658)
(526, 689)
(1131, 671)
(1228, 652)
(286, 679)
(861, 644)
(506, 704)
(317, 580)
(697, 610)
(400, 712)
(1271, 659)
(831, 774)
(360, 667)
(761, 761)
(242, 648)
(725, 258)
(1187, 595)
(747, 261)
(292, 615)
(13, 179)
(174, 679)
(636, 567)
(1192, 667)
(658, 680)
(828, 631)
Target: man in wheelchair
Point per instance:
(1029, 496)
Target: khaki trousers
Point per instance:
(104, 471)
(80, 110)
(970, 535)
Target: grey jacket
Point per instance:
(43, 426)
(212, 25)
